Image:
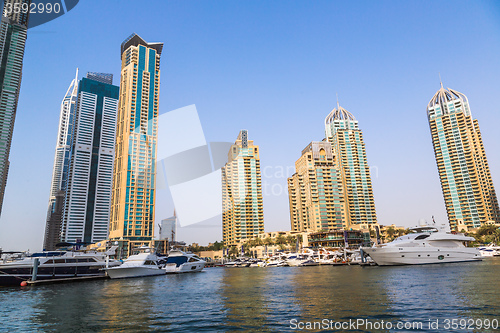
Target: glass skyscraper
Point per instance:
(342, 131)
(13, 33)
(133, 200)
(243, 211)
(80, 199)
(88, 194)
(466, 182)
(61, 165)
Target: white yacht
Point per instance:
(425, 245)
(183, 262)
(144, 263)
(61, 264)
(489, 251)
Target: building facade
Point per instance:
(88, 193)
(13, 33)
(342, 131)
(463, 169)
(243, 211)
(315, 191)
(61, 166)
(168, 228)
(133, 200)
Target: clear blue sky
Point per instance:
(271, 67)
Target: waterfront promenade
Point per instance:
(260, 299)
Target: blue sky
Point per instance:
(273, 68)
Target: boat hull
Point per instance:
(390, 256)
(185, 268)
(130, 272)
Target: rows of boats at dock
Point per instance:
(424, 245)
(306, 257)
(71, 265)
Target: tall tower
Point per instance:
(243, 212)
(466, 182)
(88, 193)
(341, 129)
(315, 191)
(132, 207)
(13, 33)
(61, 165)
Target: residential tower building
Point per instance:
(243, 212)
(60, 171)
(315, 191)
(342, 131)
(13, 33)
(133, 200)
(463, 169)
(88, 193)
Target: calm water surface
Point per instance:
(261, 300)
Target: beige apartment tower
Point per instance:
(315, 191)
(464, 173)
(342, 131)
(243, 212)
(133, 196)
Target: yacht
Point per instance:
(144, 263)
(489, 251)
(61, 264)
(425, 245)
(183, 262)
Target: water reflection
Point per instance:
(258, 299)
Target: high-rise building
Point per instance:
(133, 203)
(88, 192)
(466, 182)
(243, 212)
(13, 33)
(342, 131)
(168, 228)
(61, 166)
(315, 191)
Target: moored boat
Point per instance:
(144, 263)
(425, 245)
(52, 265)
(183, 262)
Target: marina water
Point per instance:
(274, 299)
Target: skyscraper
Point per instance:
(243, 212)
(132, 207)
(89, 183)
(13, 32)
(466, 182)
(61, 165)
(315, 191)
(342, 131)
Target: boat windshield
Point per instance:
(423, 229)
(177, 260)
(47, 254)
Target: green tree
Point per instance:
(390, 233)
(268, 241)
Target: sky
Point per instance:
(273, 68)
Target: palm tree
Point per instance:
(268, 241)
(280, 240)
(390, 232)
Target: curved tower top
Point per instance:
(442, 99)
(339, 118)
